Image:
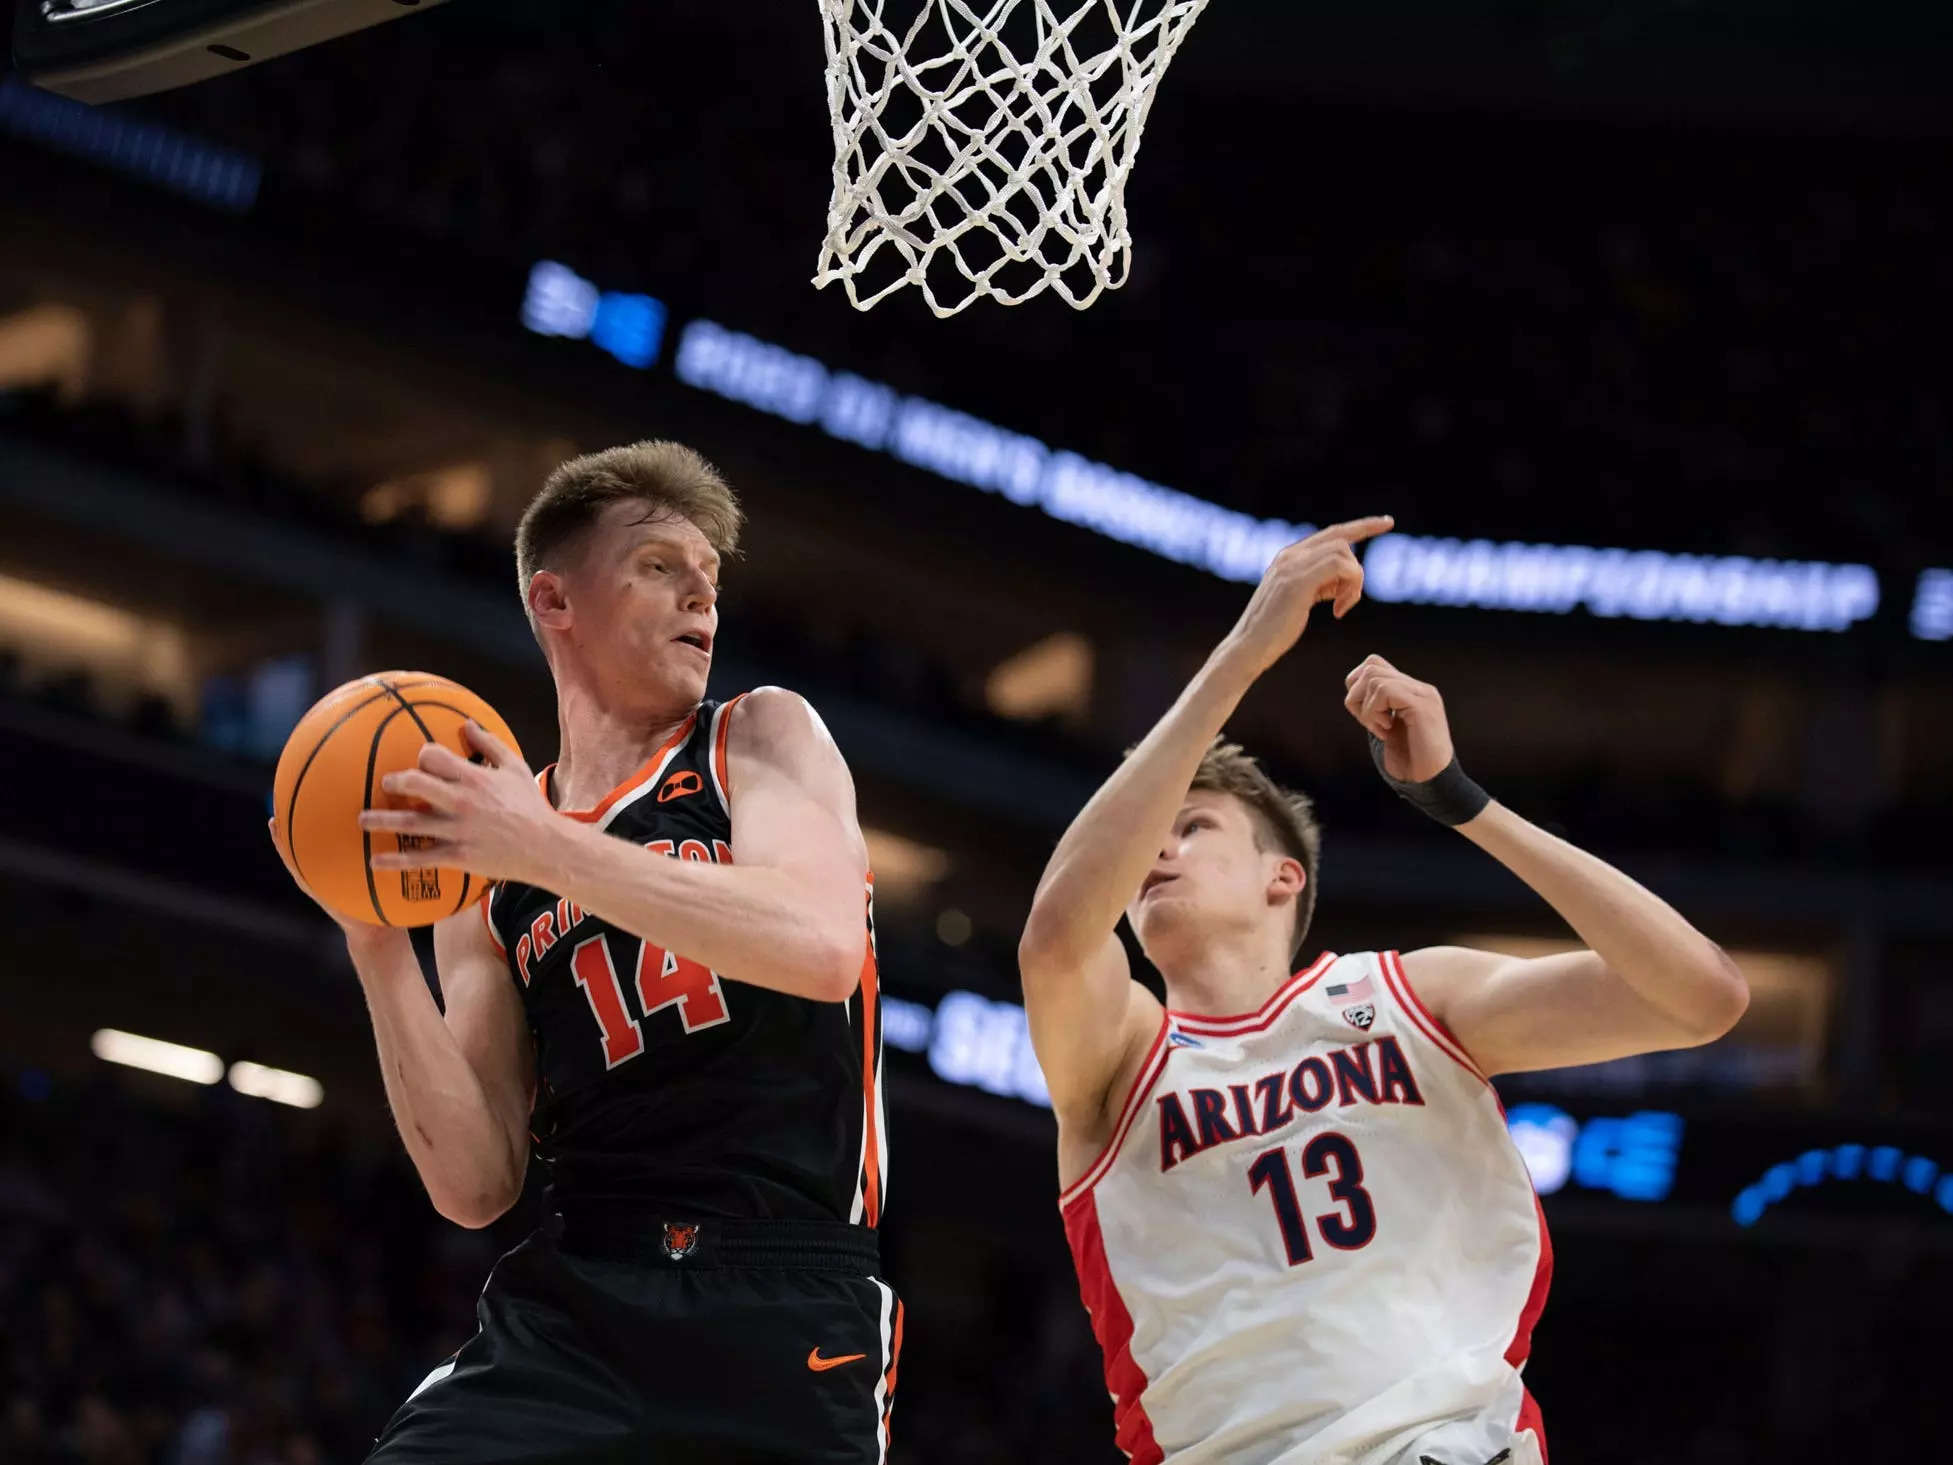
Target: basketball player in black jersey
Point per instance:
(670, 998)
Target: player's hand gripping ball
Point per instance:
(331, 772)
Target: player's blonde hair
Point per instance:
(1283, 818)
(668, 478)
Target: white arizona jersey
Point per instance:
(1310, 1239)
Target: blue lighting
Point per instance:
(560, 302)
(1932, 606)
(906, 1024)
(1633, 1157)
(629, 327)
(1556, 579)
(967, 450)
(170, 159)
(1886, 1164)
(1640, 584)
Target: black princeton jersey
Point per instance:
(664, 1085)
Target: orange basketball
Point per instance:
(330, 772)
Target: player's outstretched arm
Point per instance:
(788, 915)
(1085, 1011)
(460, 1086)
(1649, 980)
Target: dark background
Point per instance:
(1659, 276)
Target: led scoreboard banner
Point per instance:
(1607, 582)
(104, 50)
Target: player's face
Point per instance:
(1209, 880)
(645, 598)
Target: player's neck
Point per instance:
(1225, 978)
(602, 744)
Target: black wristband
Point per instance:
(1450, 796)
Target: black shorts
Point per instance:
(730, 1342)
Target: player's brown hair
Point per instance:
(669, 479)
(1283, 818)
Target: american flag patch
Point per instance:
(1354, 991)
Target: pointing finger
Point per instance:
(1355, 531)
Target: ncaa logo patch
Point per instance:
(680, 1238)
(1362, 1015)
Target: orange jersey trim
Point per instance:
(487, 920)
(721, 766)
(871, 1181)
(894, 1364)
(645, 773)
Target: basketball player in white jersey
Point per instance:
(1300, 1227)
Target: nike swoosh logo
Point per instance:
(822, 1365)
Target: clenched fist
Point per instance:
(1406, 715)
(1308, 572)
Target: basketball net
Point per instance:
(981, 147)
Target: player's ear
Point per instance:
(548, 601)
(1286, 880)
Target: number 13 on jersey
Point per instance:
(1320, 1156)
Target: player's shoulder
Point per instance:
(775, 723)
(1433, 971)
(1398, 961)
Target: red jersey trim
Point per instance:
(1264, 1015)
(1112, 1326)
(1521, 1346)
(631, 788)
(1394, 977)
(1149, 1074)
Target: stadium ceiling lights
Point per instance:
(201, 1066)
(153, 1055)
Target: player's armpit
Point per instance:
(1086, 1021)
(1514, 1014)
(484, 1012)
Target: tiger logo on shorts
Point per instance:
(680, 1238)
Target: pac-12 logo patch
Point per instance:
(1363, 1014)
(680, 1238)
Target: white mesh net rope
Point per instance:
(982, 149)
